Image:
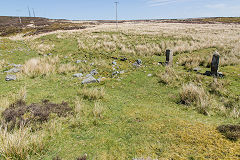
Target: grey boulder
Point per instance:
(93, 72)
(89, 79)
(114, 63)
(11, 78)
(78, 75)
(13, 70)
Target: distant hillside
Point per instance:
(36, 25)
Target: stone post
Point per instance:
(169, 57)
(215, 63)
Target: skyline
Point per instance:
(127, 10)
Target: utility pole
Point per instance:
(29, 13)
(33, 12)
(116, 13)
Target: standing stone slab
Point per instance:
(215, 64)
(169, 57)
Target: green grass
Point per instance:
(141, 117)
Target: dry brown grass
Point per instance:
(195, 95)
(169, 77)
(65, 68)
(40, 66)
(79, 106)
(93, 93)
(20, 143)
(98, 110)
(2, 63)
(41, 47)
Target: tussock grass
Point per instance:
(79, 106)
(218, 87)
(20, 144)
(66, 68)
(40, 66)
(191, 94)
(2, 63)
(41, 47)
(93, 93)
(168, 77)
(98, 110)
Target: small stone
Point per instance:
(139, 61)
(78, 61)
(122, 72)
(123, 59)
(149, 75)
(91, 64)
(89, 79)
(115, 73)
(94, 72)
(66, 57)
(220, 74)
(197, 69)
(78, 75)
(16, 65)
(114, 63)
(11, 78)
(13, 70)
(88, 75)
(49, 54)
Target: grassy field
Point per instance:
(173, 113)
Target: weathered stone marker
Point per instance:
(215, 63)
(169, 57)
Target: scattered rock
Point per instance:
(114, 63)
(92, 64)
(220, 74)
(197, 69)
(78, 61)
(139, 61)
(89, 79)
(94, 72)
(123, 59)
(11, 78)
(149, 75)
(114, 57)
(66, 57)
(16, 65)
(209, 73)
(49, 54)
(13, 70)
(122, 72)
(115, 73)
(78, 75)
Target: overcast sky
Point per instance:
(128, 9)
